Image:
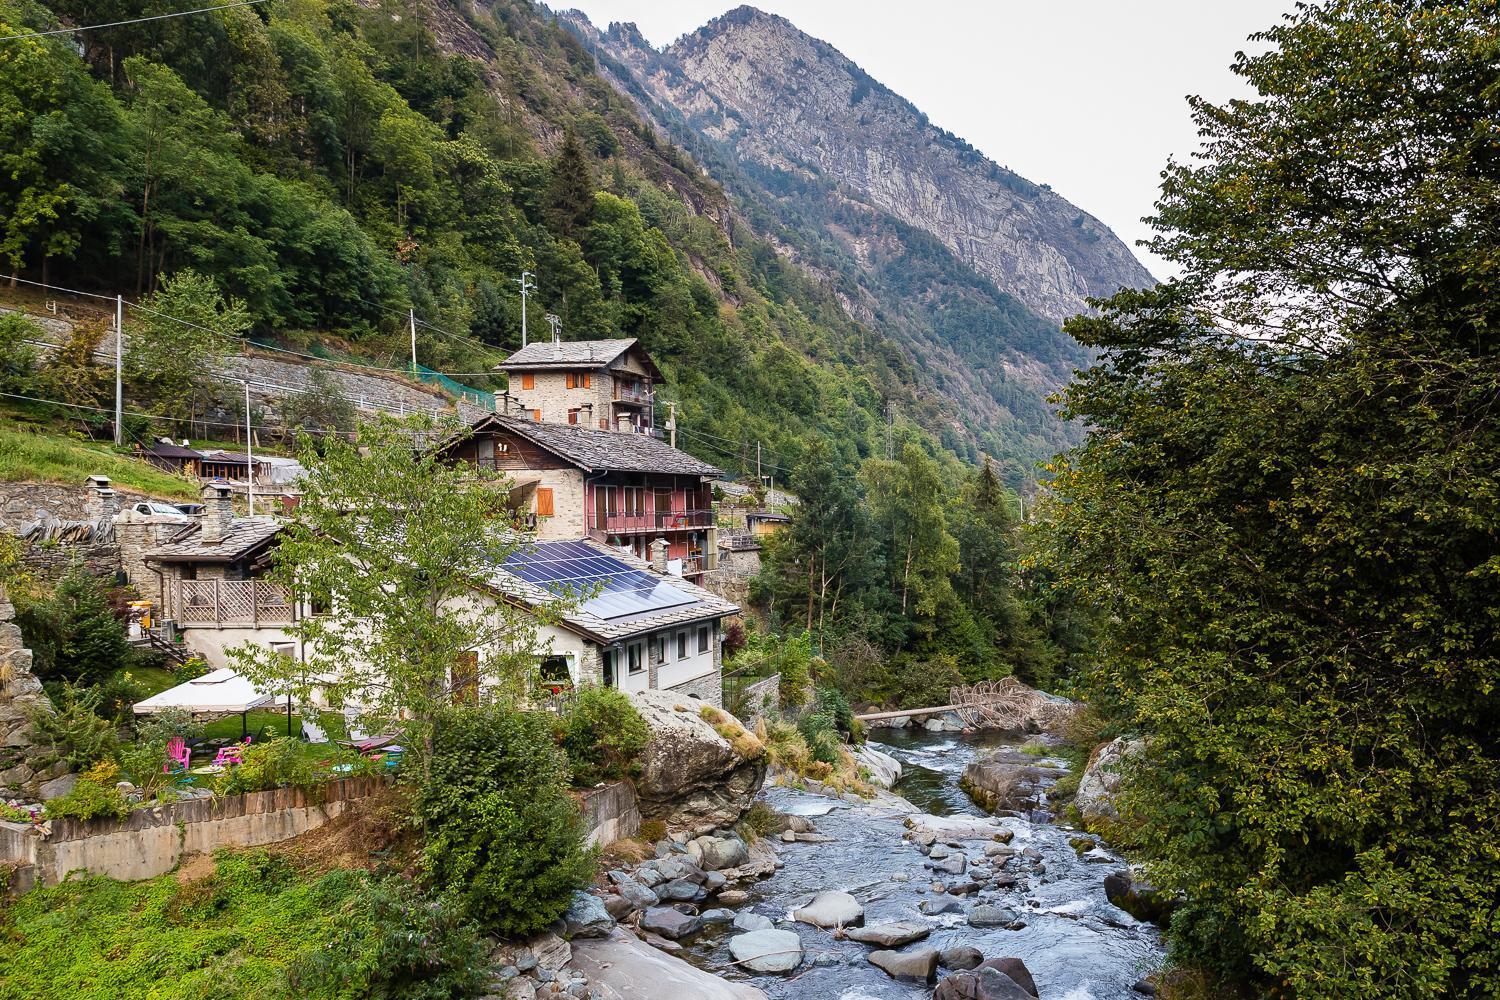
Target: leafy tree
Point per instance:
(18, 355)
(503, 836)
(394, 541)
(180, 332)
(906, 501)
(1286, 513)
(322, 407)
(570, 191)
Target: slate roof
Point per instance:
(544, 354)
(707, 606)
(170, 449)
(245, 535)
(601, 451)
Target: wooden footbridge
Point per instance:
(997, 704)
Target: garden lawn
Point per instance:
(253, 930)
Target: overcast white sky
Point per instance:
(1085, 95)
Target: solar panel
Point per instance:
(569, 569)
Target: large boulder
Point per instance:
(925, 828)
(669, 922)
(996, 979)
(1099, 785)
(621, 967)
(716, 853)
(696, 775)
(586, 917)
(766, 950)
(892, 934)
(1008, 781)
(1139, 899)
(883, 769)
(830, 909)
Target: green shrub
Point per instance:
(74, 632)
(74, 730)
(401, 943)
(11, 814)
(503, 835)
(603, 735)
(278, 763)
(93, 797)
(795, 665)
(18, 357)
(831, 703)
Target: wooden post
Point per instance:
(255, 612)
(218, 605)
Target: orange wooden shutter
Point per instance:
(572, 380)
(544, 501)
(528, 381)
(536, 415)
(585, 380)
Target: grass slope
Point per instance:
(30, 454)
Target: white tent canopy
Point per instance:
(222, 691)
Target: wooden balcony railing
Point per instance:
(232, 602)
(625, 523)
(632, 392)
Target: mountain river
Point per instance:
(1077, 945)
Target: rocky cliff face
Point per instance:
(784, 101)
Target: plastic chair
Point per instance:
(232, 754)
(177, 753)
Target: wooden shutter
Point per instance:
(586, 380)
(536, 415)
(544, 501)
(573, 416)
(572, 380)
(528, 381)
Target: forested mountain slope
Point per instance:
(333, 165)
(972, 266)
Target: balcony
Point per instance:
(629, 523)
(231, 602)
(633, 393)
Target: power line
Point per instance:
(158, 416)
(137, 20)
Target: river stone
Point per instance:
(1138, 899)
(670, 923)
(767, 950)
(920, 964)
(681, 889)
(985, 915)
(722, 852)
(954, 865)
(640, 897)
(717, 916)
(955, 828)
(830, 909)
(980, 984)
(619, 907)
(586, 917)
(691, 777)
(939, 851)
(943, 904)
(890, 935)
(622, 966)
(960, 957)
(748, 920)
(734, 897)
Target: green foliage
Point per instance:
(570, 192)
(18, 354)
(256, 928)
(603, 735)
(74, 729)
(1286, 514)
(795, 665)
(93, 797)
(166, 359)
(503, 838)
(322, 407)
(277, 763)
(73, 633)
(831, 705)
(402, 943)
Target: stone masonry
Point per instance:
(26, 769)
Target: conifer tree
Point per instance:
(570, 192)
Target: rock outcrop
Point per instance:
(883, 769)
(696, 776)
(27, 769)
(1009, 781)
(621, 967)
(1099, 785)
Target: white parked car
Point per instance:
(158, 509)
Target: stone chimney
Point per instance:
(218, 511)
(659, 556)
(103, 503)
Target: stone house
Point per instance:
(625, 490)
(604, 384)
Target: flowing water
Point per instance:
(1077, 945)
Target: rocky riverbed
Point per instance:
(1036, 897)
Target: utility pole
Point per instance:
(412, 314)
(554, 321)
(526, 286)
(249, 454)
(119, 365)
(759, 481)
(672, 424)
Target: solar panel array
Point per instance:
(571, 569)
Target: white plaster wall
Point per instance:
(213, 644)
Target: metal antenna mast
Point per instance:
(527, 285)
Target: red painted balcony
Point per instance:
(630, 522)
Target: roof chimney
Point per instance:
(659, 556)
(103, 502)
(218, 512)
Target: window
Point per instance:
(702, 638)
(573, 415)
(637, 663)
(604, 423)
(660, 644)
(536, 415)
(572, 380)
(528, 381)
(502, 446)
(682, 645)
(544, 501)
(287, 649)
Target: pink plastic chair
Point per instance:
(177, 753)
(231, 754)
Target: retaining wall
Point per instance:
(609, 813)
(150, 842)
